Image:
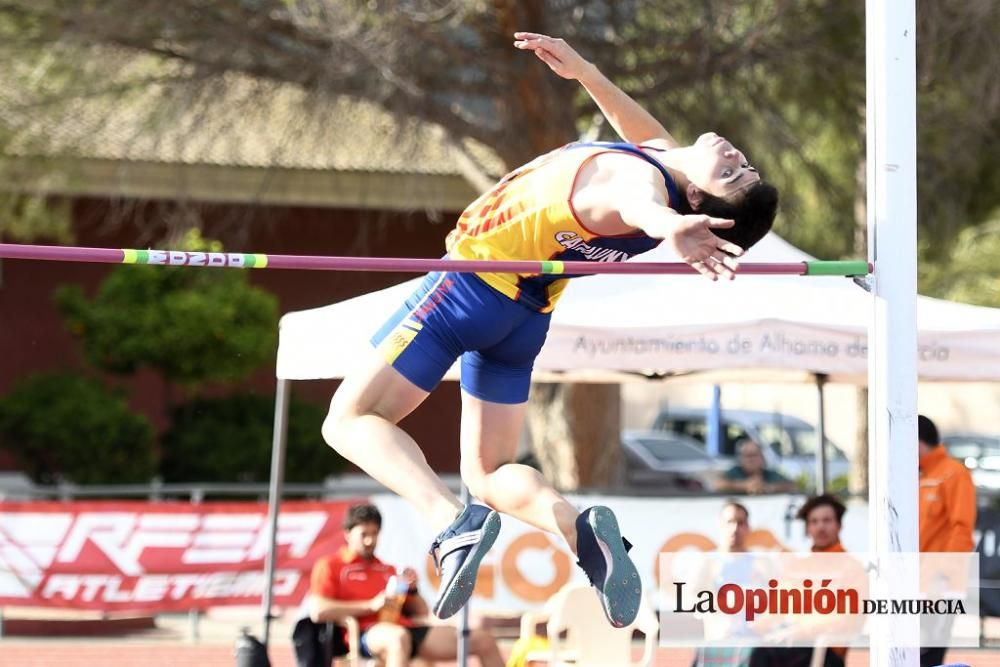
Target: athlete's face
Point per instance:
(362, 539)
(719, 168)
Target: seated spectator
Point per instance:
(734, 522)
(751, 474)
(353, 582)
(823, 516)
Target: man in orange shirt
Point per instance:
(947, 496)
(823, 516)
(353, 582)
(947, 506)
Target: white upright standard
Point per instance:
(892, 341)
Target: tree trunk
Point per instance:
(575, 431)
(858, 476)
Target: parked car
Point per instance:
(789, 443)
(659, 463)
(669, 461)
(980, 453)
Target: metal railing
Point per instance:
(17, 486)
(14, 488)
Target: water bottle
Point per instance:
(395, 596)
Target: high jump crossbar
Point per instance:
(404, 264)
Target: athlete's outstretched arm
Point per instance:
(631, 121)
(634, 198)
(690, 236)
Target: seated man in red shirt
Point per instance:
(352, 582)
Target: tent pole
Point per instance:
(714, 423)
(821, 474)
(274, 496)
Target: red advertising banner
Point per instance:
(162, 557)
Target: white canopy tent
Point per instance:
(660, 325)
(753, 329)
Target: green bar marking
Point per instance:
(837, 268)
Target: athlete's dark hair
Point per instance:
(753, 212)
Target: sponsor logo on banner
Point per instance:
(839, 599)
(185, 258)
(133, 555)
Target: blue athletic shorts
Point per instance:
(453, 315)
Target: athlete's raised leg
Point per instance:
(362, 427)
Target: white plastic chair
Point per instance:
(590, 640)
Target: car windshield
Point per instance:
(788, 440)
(964, 450)
(984, 450)
(668, 451)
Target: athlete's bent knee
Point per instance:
(337, 429)
(331, 431)
(341, 421)
(476, 479)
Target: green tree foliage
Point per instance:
(783, 80)
(190, 325)
(29, 98)
(26, 217)
(229, 440)
(67, 427)
(971, 274)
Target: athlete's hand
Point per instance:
(708, 254)
(554, 52)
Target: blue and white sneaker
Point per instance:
(603, 554)
(457, 553)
